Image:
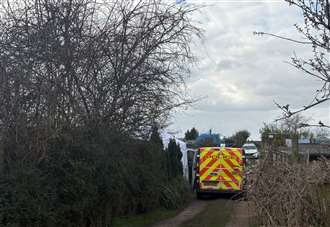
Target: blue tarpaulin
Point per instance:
(208, 139)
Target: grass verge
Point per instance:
(146, 219)
(217, 214)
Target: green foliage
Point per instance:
(192, 134)
(288, 128)
(173, 192)
(71, 152)
(228, 141)
(238, 139)
(155, 138)
(143, 220)
(279, 134)
(90, 176)
(174, 155)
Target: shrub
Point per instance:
(88, 177)
(291, 194)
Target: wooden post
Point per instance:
(295, 148)
(270, 142)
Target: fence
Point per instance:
(305, 153)
(276, 155)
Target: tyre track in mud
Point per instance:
(242, 214)
(187, 214)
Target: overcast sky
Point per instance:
(239, 74)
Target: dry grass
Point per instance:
(291, 194)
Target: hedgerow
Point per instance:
(87, 178)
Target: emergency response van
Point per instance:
(218, 170)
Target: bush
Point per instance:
(174, 156)
(87, 178)
(291, 194)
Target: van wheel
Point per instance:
(199, 195)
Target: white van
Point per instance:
(251, 150)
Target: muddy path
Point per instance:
(243, 214)
(188, 213)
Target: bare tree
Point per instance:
(74, 63)
(316, 33)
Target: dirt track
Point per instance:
(191, 211)
(241, 216)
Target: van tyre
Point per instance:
(199, 195)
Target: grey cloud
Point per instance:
(226, 64)
(240, 74)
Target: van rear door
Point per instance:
(220, 169)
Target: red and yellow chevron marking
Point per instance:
(220, 168)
